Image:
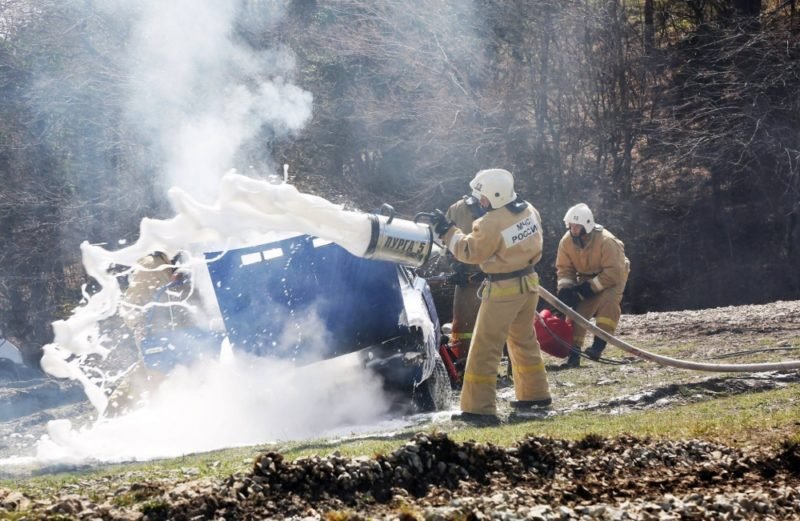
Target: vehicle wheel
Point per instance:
(435, 393)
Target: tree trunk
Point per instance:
(649, 27)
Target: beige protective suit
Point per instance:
(465, 296)
(151, 274)
(146, 285)
(601, 260)
(502, 242)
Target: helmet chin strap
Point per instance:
(578, 241)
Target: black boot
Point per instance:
(529, 410)
(597, 348)
(531, 404)
(477, 420)
(574, 359)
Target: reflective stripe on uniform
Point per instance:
(527, 284)
(461, 336)
(603, 321)
(529, 368)
(563, 283)
(597, 285)
(480, 379)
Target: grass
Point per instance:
(760, 418)
(765, 418)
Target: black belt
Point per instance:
(494, 277)
(476, 278)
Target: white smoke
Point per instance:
(214, 405)
(200, 95)
(198, 92)
(246, 208)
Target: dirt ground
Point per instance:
(433, 477)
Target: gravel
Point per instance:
(434, 478)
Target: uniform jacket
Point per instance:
(462, 217)
(601, 261)
(147, 284)
(152, 272)
(501, 241)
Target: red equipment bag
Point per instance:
(546, 325)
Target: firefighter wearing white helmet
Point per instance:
(506, 243)
(582, 215)
(496, 184)
(592, 271)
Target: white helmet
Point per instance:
(496, 184)
(580, 214)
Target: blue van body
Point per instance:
(306, 299)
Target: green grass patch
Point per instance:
(156, 510)
(763, 418)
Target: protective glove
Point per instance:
(440, 223)
(584, 290)
(569, 296)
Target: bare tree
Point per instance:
(68, 166)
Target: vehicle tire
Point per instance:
(435, 393)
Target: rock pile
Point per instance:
(432, 477)
(539, 478)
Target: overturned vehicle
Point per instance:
(304, 299)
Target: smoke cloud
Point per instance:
(202, 98)
(200, 94)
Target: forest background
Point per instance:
(677, 121)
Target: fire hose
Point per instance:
(660, 359)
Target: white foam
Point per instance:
(199, 97)
(236, 401)
(213, 405)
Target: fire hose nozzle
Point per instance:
(399, 240)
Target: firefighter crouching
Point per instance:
(592, 271)
(466, 279)
(506, 243)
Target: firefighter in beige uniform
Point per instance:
(592, 272)
(467, 279)
(152, 273)
(142, 314)
(506, 243)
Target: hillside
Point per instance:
(672, 443)
(675, 121)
